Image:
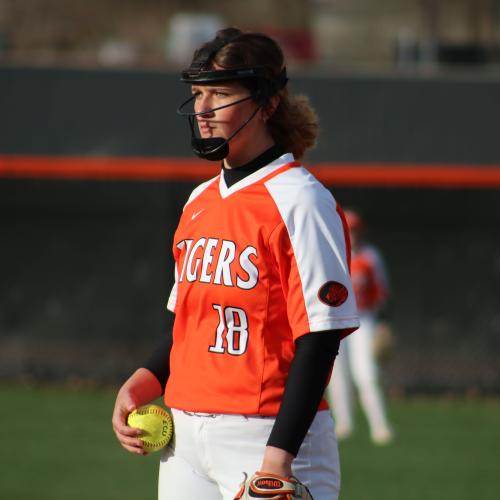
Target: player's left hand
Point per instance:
(272, 487)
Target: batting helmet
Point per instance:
(202, 71)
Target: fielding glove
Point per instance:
(272, 487)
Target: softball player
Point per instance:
(262, 294)
(357, 359)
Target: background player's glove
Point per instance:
(383, 342)
(272, 487)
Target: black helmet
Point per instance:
(201, 71)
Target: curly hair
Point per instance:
(294, 124)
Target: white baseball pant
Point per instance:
(209, 454)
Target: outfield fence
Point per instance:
(85, 260)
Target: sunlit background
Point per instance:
(95, 167)
(321, 35)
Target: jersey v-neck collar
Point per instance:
(236, 174)
(255, 176)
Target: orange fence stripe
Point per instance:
(181, 169)
(98, 168)
(409, 175)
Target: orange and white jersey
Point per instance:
(369, 279)
(258, 265)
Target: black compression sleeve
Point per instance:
(306, 383)
(159, 362)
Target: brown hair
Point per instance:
(294, 123)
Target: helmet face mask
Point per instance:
(202, 72)
(213, 148)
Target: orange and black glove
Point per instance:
(272, 487)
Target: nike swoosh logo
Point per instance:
(196, 214)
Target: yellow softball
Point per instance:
(156, 425)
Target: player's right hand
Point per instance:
(127, 436)
(141, 388)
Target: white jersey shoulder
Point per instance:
(199, 189)
(299, 196)
(316, 232)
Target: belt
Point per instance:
(199, 414)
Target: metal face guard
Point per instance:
(213, 148)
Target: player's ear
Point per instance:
(270, 107)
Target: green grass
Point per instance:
(444, 450)
(57, 444)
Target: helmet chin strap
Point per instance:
(214, 148)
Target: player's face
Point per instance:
(223, 122)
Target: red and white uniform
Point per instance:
(369, 279)
(356, 362)
(257, 265)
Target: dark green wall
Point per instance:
(85, 267)
(393, 119)
(86, 270)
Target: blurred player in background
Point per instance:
(359, 354)
(262, 294)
